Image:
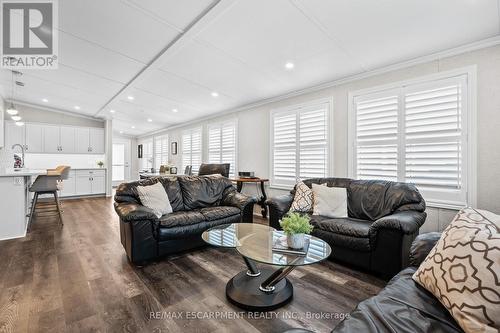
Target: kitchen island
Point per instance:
(15, 201)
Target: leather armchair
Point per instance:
(214, 169)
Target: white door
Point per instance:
(67, 139)
(121, 161)
(98, 184)
(34, 138)
(51, 139)
(97, 140)
(83, 184)
(82, 140)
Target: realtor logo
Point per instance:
(29, 34)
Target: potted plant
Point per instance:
(100, 164)
(295, 226)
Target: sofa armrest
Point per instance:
(237, 199)
(129, 212)
(407, 222)
(421, 247)
(278, 207)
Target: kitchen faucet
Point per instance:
(22, 152)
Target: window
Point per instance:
(147, 154)
(416, 133)
(191, 149)
(299, 144)
(222, 144)
(161, 150)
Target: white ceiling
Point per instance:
(172, 55)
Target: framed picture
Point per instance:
(173, 148)
(139, 151)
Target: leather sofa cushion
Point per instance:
(203, 191)
(402, 306)
(373, 199)
(342, 225)
(361, 244)
(190, 230)
(173, 189)
(219, 212)
(181, 218)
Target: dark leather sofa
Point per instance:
(403, 305)
(384, 219)
(198, 203)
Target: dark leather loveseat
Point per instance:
(403, 306)
(384, 219)
(198, 203)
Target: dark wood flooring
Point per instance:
(77, 279)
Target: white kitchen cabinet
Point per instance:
(96, 140)
(83, 185)
(34, 138)
(89, 182)
(82, 140)
(67, 139)
(2, 127)
(98, 184)
(51, 139)
(69, 185)
(13, 134)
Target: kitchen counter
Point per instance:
(9, 172)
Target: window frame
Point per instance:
(470, 128)
(220, 125)
(144, 142)
(191, 131)
(160, 137)
(295, 109)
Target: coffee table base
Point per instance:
(243, 291)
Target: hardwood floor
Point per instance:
(77, 279)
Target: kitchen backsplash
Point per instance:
(47, 161)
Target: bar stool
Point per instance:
(48, 184)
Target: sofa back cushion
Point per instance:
(127, 192)
(203, 191)
(374, 199)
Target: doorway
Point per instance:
(121, 161)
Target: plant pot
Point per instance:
(296, 241)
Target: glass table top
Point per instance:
(255, 241)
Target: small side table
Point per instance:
(261, 200)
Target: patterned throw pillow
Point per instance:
(463, 270)
(303, 200)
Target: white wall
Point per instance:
(253, 126)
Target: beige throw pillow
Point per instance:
(155, 197)
(463, 270)
(303, 199)
(329, 201)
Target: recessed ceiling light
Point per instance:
(175, 110)
(121, 132)
(130, 98)
(45, 100)
(215, 94)
(16, 118)
(112, 111)
(19, 123)
(150, 120)
(77, 107)
(289, 65)
(132, 127)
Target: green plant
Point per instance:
(100, 164)
(295, 223)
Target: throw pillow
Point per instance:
(155, 197)
(463, 270)
(303, 199)
(329, 201)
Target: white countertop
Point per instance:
(9, 172)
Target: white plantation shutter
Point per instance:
(147, 154)
(161, 150)
(191, 149)
(416, 134)
(222, 144)
(299, 144)
(377, 137)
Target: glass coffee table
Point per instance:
(267, 288)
